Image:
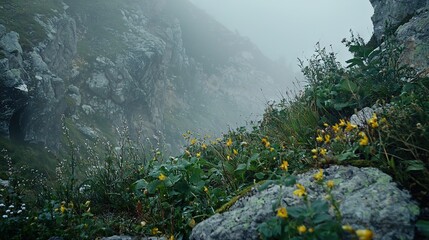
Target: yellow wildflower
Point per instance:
(342, 123)
(284, 165)
(319, 138)
(63, 209)
(206, 189)
(272, 149)
(350, 126)
(192, 223)
(314, 151)
(327, 138)
(326, 125)
(314, 156)
(228, 157)
(198, 154)
(319, 175)
(300, 191)
(235, 151)
(193, 141)
(162, 177)
(229, 142)
(330, 184)
(310, 230)
(302, 229)
(364, 140)
(336, 128)
(282, 212)
(155, 231)
(373, 121)
(266, 142)
(323, 151)
(204, 146)
(171, 237)
(364, 234)
(348, 228)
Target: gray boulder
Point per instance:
(368, 199)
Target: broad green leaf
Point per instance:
(139, 184)
(297, 211)
(151, 187)
(196, 175)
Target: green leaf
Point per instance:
(254, 157)
(151, 187)
(241, 167)
(423, 227)
(196, 175)
(347, 156)
(297, 211)
(266, 184)
(139, 184)
(415, 165)
(320, 206)
(321, 217)
(260, 175)
(348, 86)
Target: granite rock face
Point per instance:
(409, 20)
(368, 199)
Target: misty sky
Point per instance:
(291, 28)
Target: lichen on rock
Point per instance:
(368, 199)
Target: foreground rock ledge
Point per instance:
(368, 199)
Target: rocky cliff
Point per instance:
(160, 67)
(409, 20)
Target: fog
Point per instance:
(289, 29)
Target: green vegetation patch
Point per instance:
(19, 16)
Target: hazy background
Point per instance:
(289, 29)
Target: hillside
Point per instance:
(346, 159)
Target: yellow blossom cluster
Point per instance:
(319, 175)
(373, 121)
(284, 165)
(266, 143)
(229, 142)
(162, 177)
(362, 234)
(301, 229)
(364, 139)
(300, 191)
(318, 151)
(282, 212)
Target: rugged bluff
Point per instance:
(159, 67)
(409, 21)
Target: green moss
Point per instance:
(234, 199)
(32, 155)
